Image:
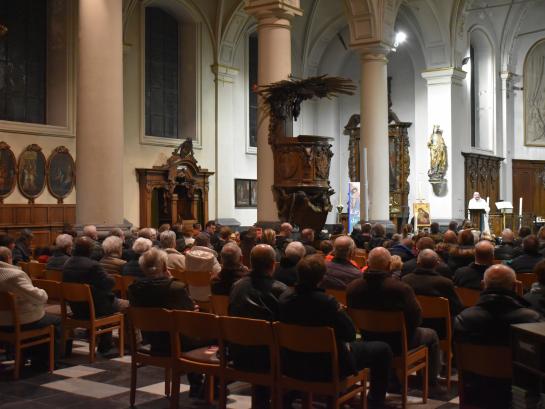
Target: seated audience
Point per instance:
(377, 290)
(41, 254)
(326, 247)
(464, 253)
(449, 242)
(80, 268)
(22, 250)
(139, 247)
(61, 252)
(489, 323)
(112, 248)
(378, 236)
(308, 305)
(403, 249)
(159, 290)
(175, 259)
(286, 271)
(163, 227)
(197, 228)
(200, 258)
(7, 241)
(396, 265)
(31, 306)
(91, 233)
(506, 250)
(248, 240)
(127, 243)
(541, 238)
(435, 234)
(426, 243)
(471, 276)
(365, 235)
(189, 238)
(180, 240)
(522, 233)
(340, 270)
(232, 270)
(536, 296)
(284, 236)
(453, 226)
(530, 256)
(307, 238)
(269, 237)
(357, 236)
(224, 238)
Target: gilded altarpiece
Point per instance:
(400, 163)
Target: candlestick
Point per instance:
(520, 206)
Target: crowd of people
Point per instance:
(282, 276)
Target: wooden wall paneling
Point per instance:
(6, 215)
(529, 183)
(23, 215)
(39, 215)
(482, 174)
(56, 215)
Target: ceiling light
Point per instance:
(400, 38)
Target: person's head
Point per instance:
(427, 259)
(153, 234)
(141, 245)
(326, 246)
(187, 231)
(5, 255)
(466, 238)
(507, 236)
(7, 241)
(524, 231)
(476, 196)
(197, 228)
(64, 242)
(82, 247)
(541, 233)
(530, 244)
(177, 229)
(307, 235)
(117, 232)
(379, 259)
(434, 228)
(225, 233)
(164, 227)
(539, 270)
(295, 251)
(262, 259)
(405, 242)
(268, 237)
(499, 276)
(450, 237)
(484, 253)
(90, 231)
(112, 246)
(311, 271)
(378, 230)
(231, 256)
(210, 227)
(344, 247)
(453, 226)
(146, 233)
(398, 238)
(202, 240)
(396, 264)
(153, 263)
(366, 228)
(286, 229)
(26, 236)
(168, 239)
(424, 243)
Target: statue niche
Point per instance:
(301, 187)
(176, 192)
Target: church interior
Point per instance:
(206, 195)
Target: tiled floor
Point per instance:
(105, 385)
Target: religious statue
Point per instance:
(438, 155)
(352, 129)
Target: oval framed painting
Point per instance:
(8, 171)
(31, 172)
(61, 173)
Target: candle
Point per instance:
(520, 206)
(488, 201)
(415, 223)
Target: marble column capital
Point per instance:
(268, 11)
(374, 52)
(447, 75)
(224, 74)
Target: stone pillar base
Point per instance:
(104, 229)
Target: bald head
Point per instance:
(427, 259)
(450, 237)
(344, 247)
(499, 276)
(262, 258)
(379, 259)
(484, 252)
(507, 236)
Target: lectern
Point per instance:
(477, 218)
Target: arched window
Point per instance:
(482, 91)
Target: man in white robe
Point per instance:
(479, 203)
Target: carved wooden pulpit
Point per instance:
(176, 192)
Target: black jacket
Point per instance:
(525, 263)
(223, 282)
(86, 271)
(470, 276)
(402, 251)
(96, 253)
(536, 298)
(489, 321)
(21, 252)
(132, 268)
(286, 272)
(506, 251)
(442, 268)
(460, 256)
(339, 274)
(57, 260)
(313, 308)
(256, 296)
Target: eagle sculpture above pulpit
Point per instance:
(176, 192)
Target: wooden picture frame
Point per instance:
(31, 172)
(421, 210)
(8, 171)
(243, 193)
(61, 173)
(531, 93)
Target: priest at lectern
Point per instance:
(478, 210)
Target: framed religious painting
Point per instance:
(253, 193)
(242, 193)
(422, 212)
(8, 171)
(534, 95)
(61, 173)
(31, 172)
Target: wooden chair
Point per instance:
(126, 282)
(519, 288)
(24, 266)
(22, 339)
(220, 304)
(316, 340)
(119, 288)
(339, 295)
(468, 296)
(484, 360)
(438, 307)
(53, 290)
(199, 326)
(81, 293)
(178, 275)
(199, 281)
(527, 279)
(246, 332)
(36, 270)
(360, 258)
(53, 275)
(153, 320)
(410, 361)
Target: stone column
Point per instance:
(447, 107)
(374, 155)
(508, 135)
(274, 64)
(99, 138)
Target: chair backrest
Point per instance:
(198, 278)
(52, 288)
(76, 292)
(118, 286)
(178, 275)
(246, 331)
(519, 288)
(127, 281)
(196, 325)
(339, 295)
(53, 275)
(468, 296)
(527, 279)
(148, 319)
(303, 339)
(485, 360)
(220, 304)
(36, 270)
(24, 266)
(8, 302)
(436, 307)
(381, 322)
